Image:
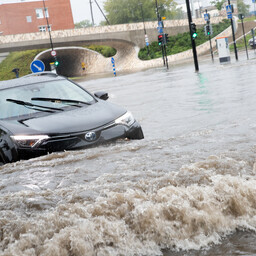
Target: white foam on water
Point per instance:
(127, 213)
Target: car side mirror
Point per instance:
(101, 95)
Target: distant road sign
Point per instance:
(37, 66)
(112, 60)
(229, 11)
(160, 24)
(160, 30)
(206, 16)
(53, 53)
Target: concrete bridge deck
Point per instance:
(131, 33)
(127, 39)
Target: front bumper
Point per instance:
(61, 142)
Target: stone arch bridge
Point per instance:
(127, 39)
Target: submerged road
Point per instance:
(189, 186)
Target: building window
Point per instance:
(46, 13)
(44, 28)
(29, 19)
(39, 13)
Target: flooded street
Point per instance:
(188, 188)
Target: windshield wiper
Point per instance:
(34, 106)
(57, 100)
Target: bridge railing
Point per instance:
(99, 30)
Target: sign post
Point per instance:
(229, 16)
(113, 65)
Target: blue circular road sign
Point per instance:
(37, 66)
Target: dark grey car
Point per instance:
(46, 113)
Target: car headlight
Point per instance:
(126, 119)
(29, 140)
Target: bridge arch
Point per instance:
(72, 57)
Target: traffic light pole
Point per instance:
(159, 20)
(211, 47)
(245, 43)
(166, 58)
(163, 54)
(208, 31)
(192, 40)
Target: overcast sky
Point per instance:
(81, 9)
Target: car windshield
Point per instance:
(19, 98)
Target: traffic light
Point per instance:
(166, 37)
(208, 31)
(56, 62)
(193, 30)
(160, 39)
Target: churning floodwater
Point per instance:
(188, 188)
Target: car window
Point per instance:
(62, 89)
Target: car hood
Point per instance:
(75, 120)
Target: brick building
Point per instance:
(28, 16)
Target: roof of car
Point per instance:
(30, 79)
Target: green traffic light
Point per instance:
(194, 35)
(56, 63)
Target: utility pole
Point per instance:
(192, 40)
(91, 12)
(233, 34)
(102, 12)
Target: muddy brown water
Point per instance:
(188, 188)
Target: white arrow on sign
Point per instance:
(39, 68)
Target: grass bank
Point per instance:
(19, 60)
(181, 42)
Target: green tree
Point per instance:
(242, 7)
(127, 11)
(218, 4)
(83, 24)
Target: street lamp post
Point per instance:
(48, 26)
